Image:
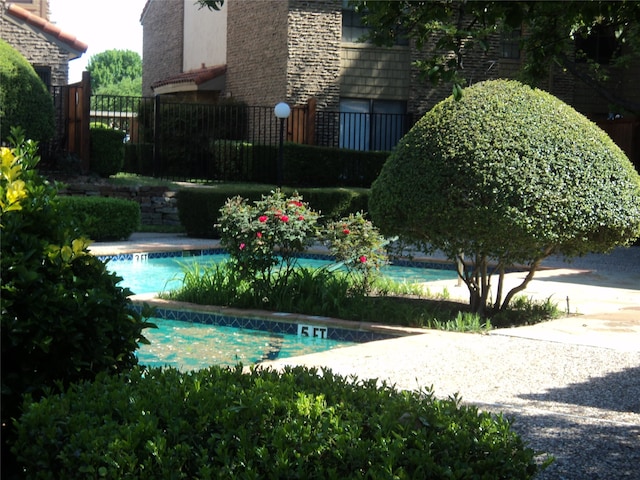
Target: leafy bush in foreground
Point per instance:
(64, 318)
(223, 423)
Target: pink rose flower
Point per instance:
(301, 217)
(242, 245)
(263, 218)
(346, 231)
(363, 259)
(284, 218)
(259, 234)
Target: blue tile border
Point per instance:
(220, 251)
(266, 325)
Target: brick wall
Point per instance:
(162, 23)
(158, 205)
(315, 30)
(257, 57)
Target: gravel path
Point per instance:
(578, 403)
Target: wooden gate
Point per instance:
(77, 116)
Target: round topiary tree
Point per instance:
(24, 99)
(507, 175)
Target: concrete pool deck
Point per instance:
(571, 386)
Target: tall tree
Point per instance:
(555, 33)
(116, 72)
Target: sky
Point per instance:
(101, 24)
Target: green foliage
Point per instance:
(232, 158)
(102, 218)
(64, 318)
(301, 423)
(312, 166)
(508, 173)
(356, 243)
(266, 236)
(24, 99)
(107, 150)
(116, 72)
(198, 207)
(448, 33)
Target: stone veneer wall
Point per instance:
(314, 40)
(36, 48)
(162, 40)
(158, 205)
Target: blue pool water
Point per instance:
(188, 344)
(149, 275)
(191, 346)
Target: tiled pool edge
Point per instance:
(435, 264)
(273, 322)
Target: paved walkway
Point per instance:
(571, 385)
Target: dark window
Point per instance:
(353, 30)
(44, 72)
(600, 45)
(371, 124)
(510, 44)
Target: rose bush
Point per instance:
(265, 238)
(357, 243)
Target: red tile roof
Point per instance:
(47, 27)
(194, 77)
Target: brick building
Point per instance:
(265, 52)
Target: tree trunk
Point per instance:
(532, 270)
(496, 304)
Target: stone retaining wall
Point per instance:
(158, 205)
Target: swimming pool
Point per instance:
(191, 346)
(151, 273)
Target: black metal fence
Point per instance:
(230, 141)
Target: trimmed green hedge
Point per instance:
(24, 98)
(102, 218)
(223, 423)
(307, 165)
(107, 150)
(199, 207)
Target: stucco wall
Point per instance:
(205, 36)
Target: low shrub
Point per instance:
(300, 423)
(313, 166)
(266, 236)
(107, 150)
(232, 159)
(199, 207)
(103, 218)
